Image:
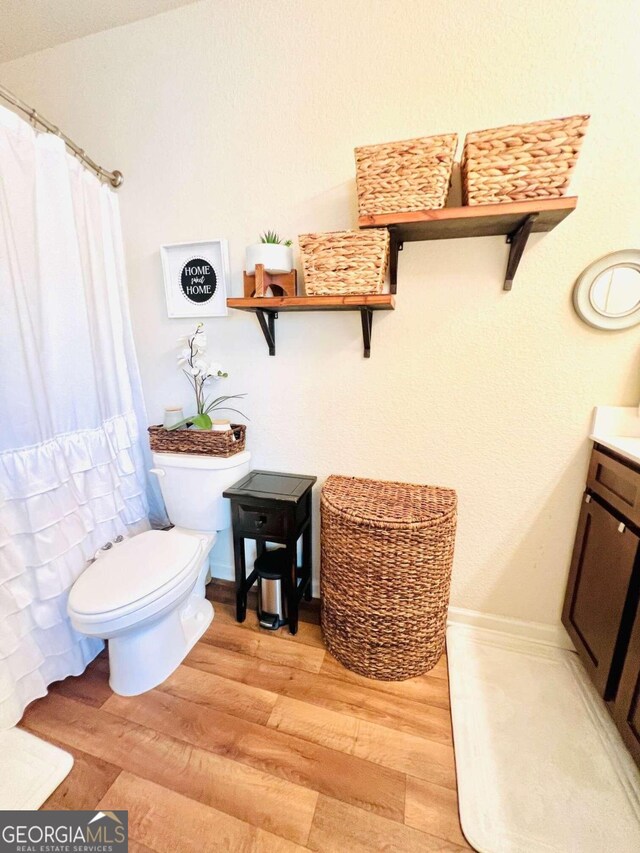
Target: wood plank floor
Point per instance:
(261, 742)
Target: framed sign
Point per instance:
(195, 278)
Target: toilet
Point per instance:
(146, 595)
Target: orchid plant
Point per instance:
(200, 372)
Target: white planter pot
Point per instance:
(275, 257)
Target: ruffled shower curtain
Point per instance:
(72, 423)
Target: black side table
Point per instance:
(272, 507)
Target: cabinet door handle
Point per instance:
(261, 521)
(621, 527)
(587, 499)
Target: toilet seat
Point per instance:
(136, 575)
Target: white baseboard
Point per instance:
(538, 632)
(223, 571)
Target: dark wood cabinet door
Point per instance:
(617, 483)
(626, 708)
(601, 570)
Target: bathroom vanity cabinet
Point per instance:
(601, 608)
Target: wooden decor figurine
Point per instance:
(281, 284)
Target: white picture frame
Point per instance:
(195, 278)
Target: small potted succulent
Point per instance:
(273, 253)
(201, 373)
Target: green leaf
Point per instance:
(229, 409)
(270, 237)
(179, 424)
(202, 421)
(214, 404)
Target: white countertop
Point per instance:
(618, 428)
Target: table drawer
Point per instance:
(616, 483)
(252, 520)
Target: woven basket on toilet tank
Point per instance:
(386, 551)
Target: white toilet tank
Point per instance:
(192, 487)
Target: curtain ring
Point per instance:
(33, 116)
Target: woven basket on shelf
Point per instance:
(202, 442)
(521, 161)
(386, 555)
(402, 176)
(343, 263)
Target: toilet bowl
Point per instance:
(146, 595)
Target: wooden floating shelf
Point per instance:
(267, 309)
(377, 302)
(516, 220)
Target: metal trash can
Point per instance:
(272, 604)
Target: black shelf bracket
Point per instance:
(366, 316)
(517, 241)
(395, 245)
(267, 320)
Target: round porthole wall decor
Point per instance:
(607, 294)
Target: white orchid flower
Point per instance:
(193, 360)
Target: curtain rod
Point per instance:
(115, 178)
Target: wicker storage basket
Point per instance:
(341, 263)
(521, 161)
(204, 442)
(386, 551)
(401, 176)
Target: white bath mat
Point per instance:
(540, 765)
(30, 769)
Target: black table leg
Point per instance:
(306, 561)
(292, 588)
(241, 578)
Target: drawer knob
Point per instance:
(621, 527)
(261, 521)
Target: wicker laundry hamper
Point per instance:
(386, 551)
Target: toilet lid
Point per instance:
(133, 570)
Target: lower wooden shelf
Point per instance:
(267, 309)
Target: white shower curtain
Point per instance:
(72, 440)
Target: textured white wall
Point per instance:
(228, 118)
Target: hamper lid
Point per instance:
(401, 504)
